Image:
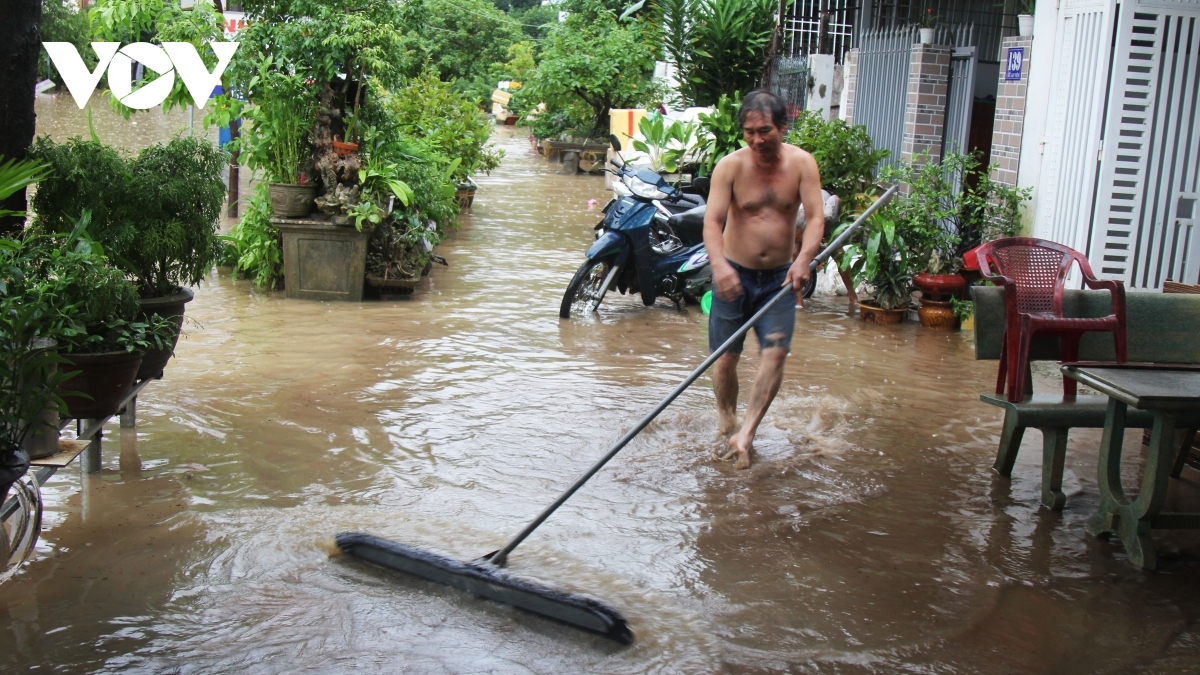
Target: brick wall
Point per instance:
(925, 107)
(1010, 114)
(849, 86)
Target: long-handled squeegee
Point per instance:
(486, 578)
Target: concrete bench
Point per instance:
(1160, 329)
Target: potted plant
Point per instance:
(1025, 11)
(665, 143)
(928, 27)
(154, 216)
(930, 213)
(102, 342)
(29, 317)
(448, 124)
(282, 120)
(880, 260)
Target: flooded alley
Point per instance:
(871, 536)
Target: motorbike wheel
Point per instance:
(584, 291)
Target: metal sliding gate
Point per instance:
(883, 67)
(1122, 173)
(883, 64)
(960, 94)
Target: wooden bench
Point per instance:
(1161, 329)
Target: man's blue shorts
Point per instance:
(774, 329)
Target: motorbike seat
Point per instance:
(686, 202)
(689, 225)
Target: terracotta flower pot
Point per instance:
(878, 315)
(938, 315)
(103, 379)
(169, 307)
(940, 285)
(292, 201)
(344, 149)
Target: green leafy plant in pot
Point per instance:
(155, 216)
(103, 340)
(880, 260)
(281, 121)
(29, 320)
(666, 142)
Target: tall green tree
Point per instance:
(718, 47)
(463, 39)
(593, 59)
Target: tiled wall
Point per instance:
(925, 109)
(849, 86)
(1010, 114)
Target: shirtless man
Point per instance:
(755, 249)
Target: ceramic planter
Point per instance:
(1025, 25)
(42, 439)
(465, 193)
(871, 314)
(938, 315)
(169, 307)
(927, 35)
(101, 383)
(940, 285)
(292, 201)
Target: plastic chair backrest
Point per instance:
(1039, 268)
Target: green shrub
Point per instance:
(156, 215)
(593, 59)
(446, 122)
(723, 135)
(254, 245)
(463, 39)
(844, 155)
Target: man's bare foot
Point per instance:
(743, 452)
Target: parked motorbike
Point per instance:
(650, 242)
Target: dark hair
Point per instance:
(765, 103)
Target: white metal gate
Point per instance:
(1064, 212)
(1143, 231)
(1120, 178)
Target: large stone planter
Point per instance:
(322, 261)
(169, 307)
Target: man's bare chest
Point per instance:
(757, 193)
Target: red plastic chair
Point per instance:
(1033, 273)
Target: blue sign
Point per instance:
(1012, 68)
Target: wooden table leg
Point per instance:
(1184, 439)
(1054, 454)
(1131, 521)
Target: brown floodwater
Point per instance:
(870, 536)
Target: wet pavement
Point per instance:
(870, 536)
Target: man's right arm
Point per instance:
(720, 191)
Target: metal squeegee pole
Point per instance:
(500, 557)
